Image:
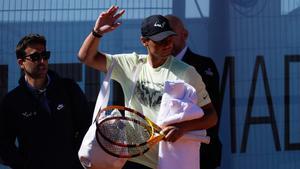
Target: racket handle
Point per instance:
(155, 140)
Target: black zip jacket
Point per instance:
(45, 140)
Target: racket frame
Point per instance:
(151, 127)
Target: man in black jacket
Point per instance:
(46, 114)
(210, 154)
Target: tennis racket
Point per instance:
(126, 133)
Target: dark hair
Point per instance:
(30, 39)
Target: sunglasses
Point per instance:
(38, 56)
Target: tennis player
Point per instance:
(157, 67)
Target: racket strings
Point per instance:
(124, 131)
(120, 151)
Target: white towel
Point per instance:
(183, 154)
(175, 110)
(179, 103)
(197, 135)
(178, 89)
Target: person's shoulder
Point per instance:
(130, 57)
(13, 94)
(66, 82)
(180, 64)
(197, 60)
(180, 67)
(67, 85)
(57, 80)
(139, 57)
(197, 56)
(206, 59)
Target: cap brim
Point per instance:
(162, 35)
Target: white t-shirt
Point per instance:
(149, 88)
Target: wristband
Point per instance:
(97, 35)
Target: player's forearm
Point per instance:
(195, 124)
(207, 121)
(89, 49)
(107, 21)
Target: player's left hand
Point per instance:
(172, 133)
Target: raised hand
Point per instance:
(107, 20)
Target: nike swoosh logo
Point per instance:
(60, 106)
